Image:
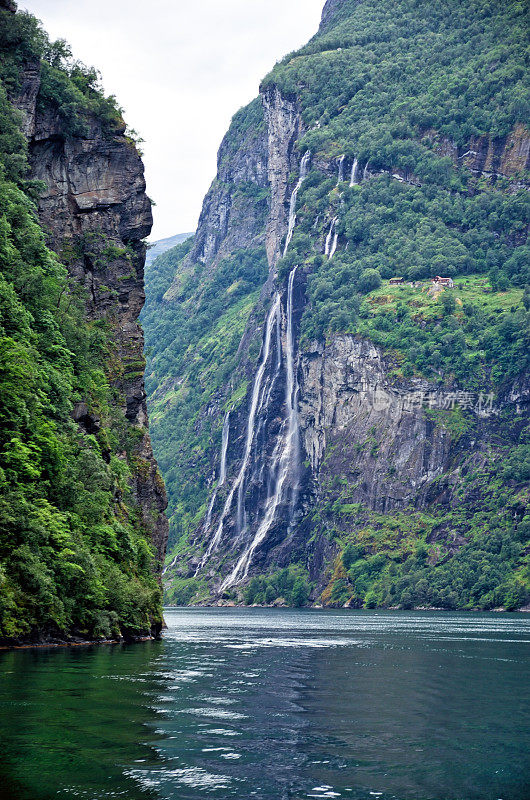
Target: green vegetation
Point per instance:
(386, 83)
(74, 554)
(392, 563)
(383, 73)
(69, 87)
(182, 591)
(288, 586)
(471, 554)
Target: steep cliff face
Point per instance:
(377, 444)
(373, 431)
(94, 215)
(284, 128)
(367, 421)
(236, 205)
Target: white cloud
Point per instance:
(180, 69)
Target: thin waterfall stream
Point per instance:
(222, 469)
(341, 170)
(335, 241)
(354, 181)
(304, 168)
(331, 239)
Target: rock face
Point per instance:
(360, 423)
(236, 205)
(380, 439)
(96, 213)
(491, 158)
(247, 204)
(284, 128)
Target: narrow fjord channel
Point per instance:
(273, 704)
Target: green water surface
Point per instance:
(273, 704)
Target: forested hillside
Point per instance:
(80, 519)
(377, 446)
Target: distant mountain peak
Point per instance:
(156, 249)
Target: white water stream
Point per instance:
(286, 454)
(331, 239)
(222, 470)
(335, 241)
(224, 448)
(354, 173)
(304, 169)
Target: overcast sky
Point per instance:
(180, 69)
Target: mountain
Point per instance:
(162, 245)
(82, 524)
(335, 425)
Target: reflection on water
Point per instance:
(274, 704)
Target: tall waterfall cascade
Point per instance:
(224, 448)
(280, 472)
(286, 456)
(335, 241)
(304, 169)
(222, 470)
(222, 477)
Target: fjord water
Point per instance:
(274, 704)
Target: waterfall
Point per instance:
(256, 406)
(366, 174)
(224, 448)
(291, 394)
(341, 170)
(286, 457)
(354, 173)
(304, 168)
(334, 242)
(331, 239)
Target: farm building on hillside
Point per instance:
(443, 282)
